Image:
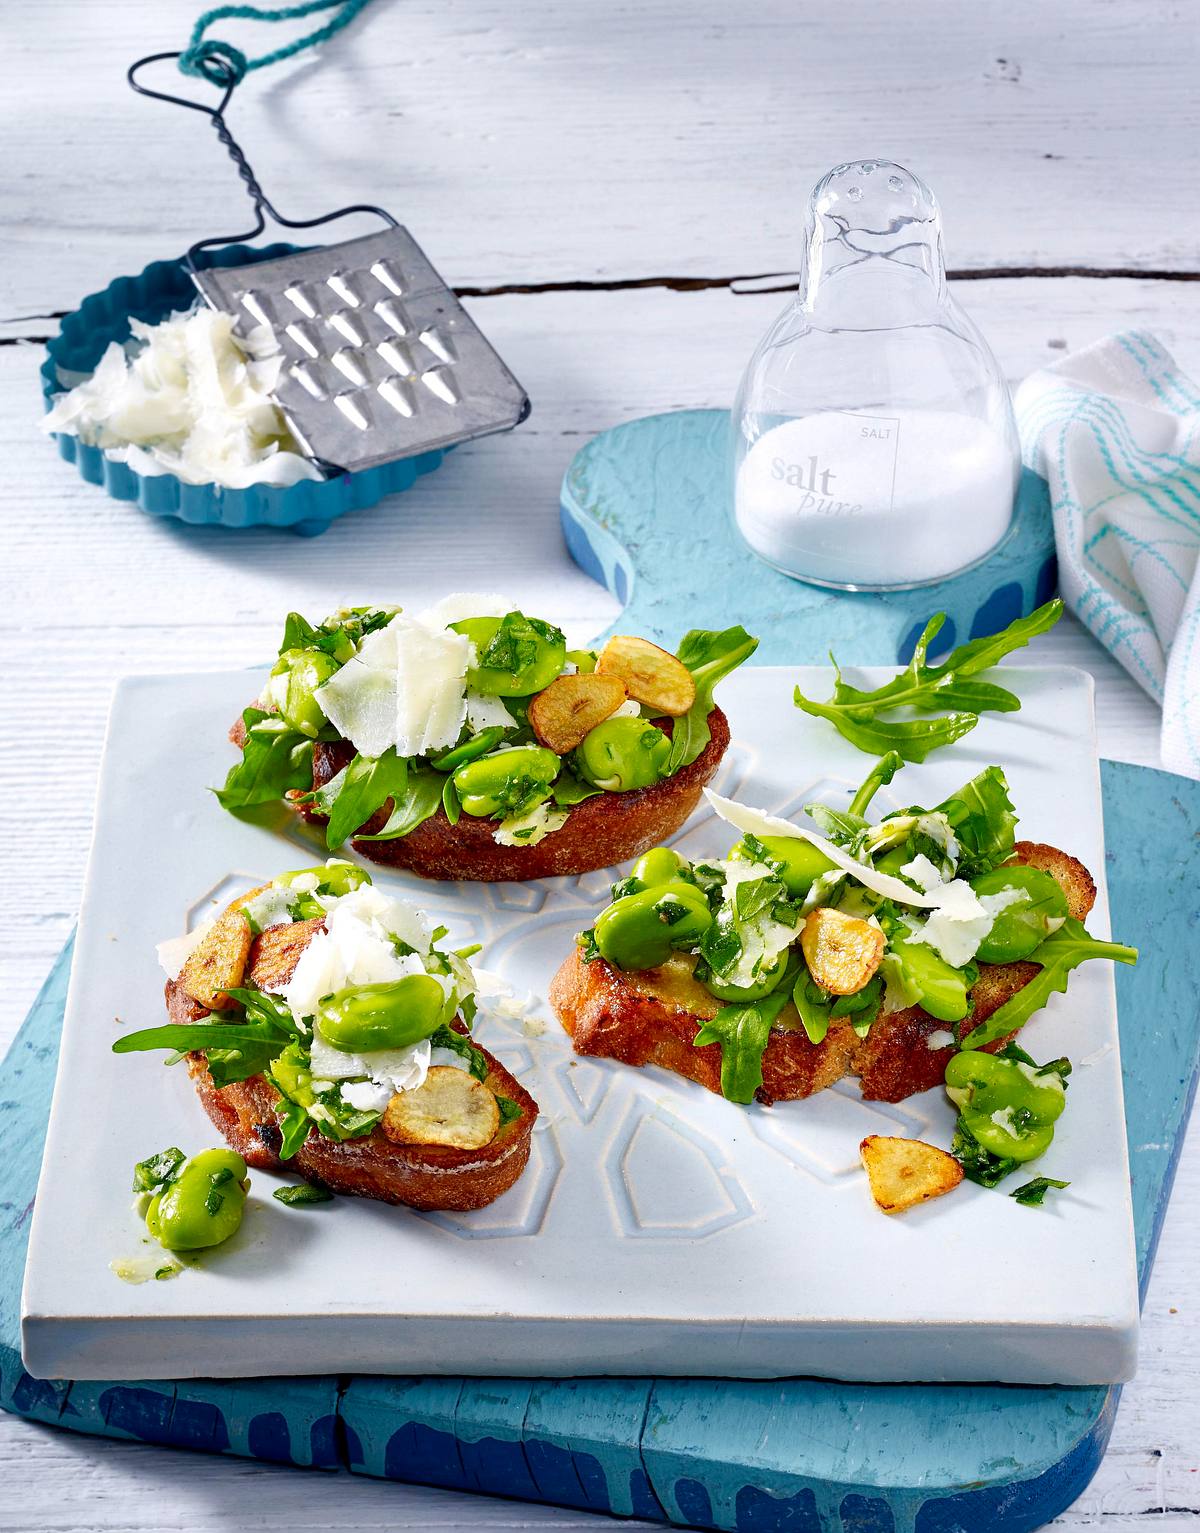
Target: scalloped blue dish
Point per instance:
(163, 287)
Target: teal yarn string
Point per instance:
(223, 64)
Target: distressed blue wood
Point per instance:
(801, 1455)
(645, 511)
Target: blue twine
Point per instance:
(222, 64)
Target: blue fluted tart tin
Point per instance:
(163, 288)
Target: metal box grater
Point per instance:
(382, 361)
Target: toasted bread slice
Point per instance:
(602, 831)
(426, 1176)
(650, 1018)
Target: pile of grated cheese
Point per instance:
(187, 397)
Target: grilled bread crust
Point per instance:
(420, 1176)
(602, 831)
(650, 1018)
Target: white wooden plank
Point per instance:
(542, 141)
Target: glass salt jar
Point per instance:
(874, 441)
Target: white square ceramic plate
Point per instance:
(658, 1229)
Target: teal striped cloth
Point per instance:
(1115, 432)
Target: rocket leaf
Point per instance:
(948, 691)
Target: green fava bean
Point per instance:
(893, 860)
(295, 677)
(940, 988)
(1022, 1144)
(641, 931)
(334, 877)
(622, 754)
(203, 1205)
(778, 976)
(584, 660)
(1024, 925)
(389, 1015)
(534, 654)
(993, 1084)
(658, 866)
(470, 750)
(801, 863)
(507, 781)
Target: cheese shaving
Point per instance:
(187, 397)
(758, 823)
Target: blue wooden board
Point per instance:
(806, 1456)
(645, 511)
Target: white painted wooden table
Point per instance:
(613, 183)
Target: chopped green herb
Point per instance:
(980, 1165)
(1033, 1194)
(157, 1171)
(303, 1195)
(518, 642)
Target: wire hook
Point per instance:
(225, 66)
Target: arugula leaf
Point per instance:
(980, 1165)
(570, 790)
(157, 1171)
(238, 1050)
(841, 826)
(419, 801)
(275, 759)
(814, 1005)
(981, 654)
(1033, 1194)
(878, 777)
(234, 1050)
(294, 1124)
(863, 1005)
(358, 790)
(912, 738)
(1061, 952)
(743, 1031)
(305, 1195)
(855, 713)
(982, 818)
(710, 656)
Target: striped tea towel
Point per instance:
(1115, 431)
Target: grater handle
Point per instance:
(222, 73)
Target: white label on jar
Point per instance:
(835, 464)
